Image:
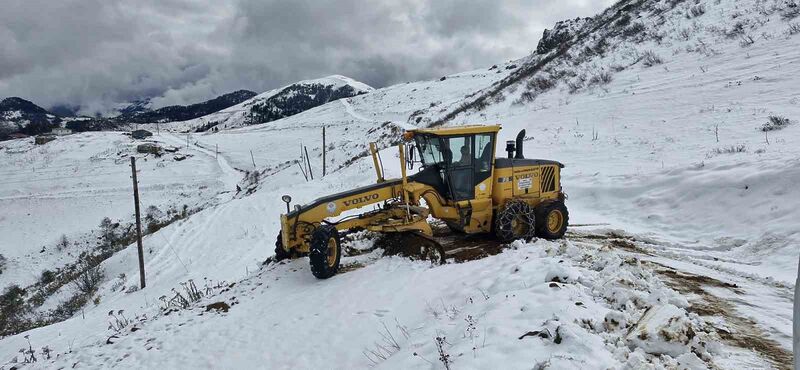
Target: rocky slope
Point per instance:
(18, 115)
(138, 112)
(279, 103)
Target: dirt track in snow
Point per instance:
(738, 330)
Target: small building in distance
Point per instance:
(18, 135)
(149, 148)
(141, 134)
(43, 139)
(60, 131)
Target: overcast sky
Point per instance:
(94, 53)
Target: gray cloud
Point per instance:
(95, 53)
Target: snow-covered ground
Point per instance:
(690, 262)
(67, 186)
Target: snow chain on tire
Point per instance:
(516, 220)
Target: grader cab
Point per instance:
(460, 182)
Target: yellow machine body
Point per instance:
(466, 193)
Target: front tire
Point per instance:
(325, 252)
(551, 220)
(515, 221)
(281, 253)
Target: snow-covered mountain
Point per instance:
(677, 123)
(140, 111)
(133, 108)
(18, 115)
(280, 103)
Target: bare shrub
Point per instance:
(385, 348)
(746, 41)
(600, 47)
(108, 232)
(775, 123)
(117, 321)
(685, 33)
(47, 277)
(62, 243)
(696, 11)
(634, 29)
(12, 309)
(574, 85)
(623, 21)
(794, 28)
(154, 219)
(791, 11)
(526, 97)
(444, 357)
(3, 262)
(600, 78)
(183, 299)
(650, 58)
(733, 149)
(540, 84)
(534, 87)
(69, 307)
(88, 281)
(736, 30)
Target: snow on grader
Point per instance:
(460, 183)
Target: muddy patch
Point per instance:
(740, 331)
(613, 239)
(350, 267)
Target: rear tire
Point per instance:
(325, 252)
(281, 253)
(551, 220)
(515, 221)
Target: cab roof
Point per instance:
(458, 130)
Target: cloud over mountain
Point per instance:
(94, 53)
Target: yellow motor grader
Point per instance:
(459, 182)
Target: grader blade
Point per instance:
(412, 244)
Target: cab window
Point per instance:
(461, 150)
(483, 153)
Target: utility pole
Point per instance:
(216, 151)
(138, 223)
(253, 159)
(796, 321)
(324, 150)
(308, 161)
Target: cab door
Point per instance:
(470, 175)
(460, 168)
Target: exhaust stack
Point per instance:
(520, 136)
(510, 148)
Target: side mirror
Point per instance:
(410, 156)
(287, 199)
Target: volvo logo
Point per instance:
(361, 200)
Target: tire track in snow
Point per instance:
(722, 296)
(349, 108)
(231, 176)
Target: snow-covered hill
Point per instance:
(278, 103)
(140, 111)
(682, 252)
(19, 116)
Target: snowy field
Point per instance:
(66, 187)
(682, 254)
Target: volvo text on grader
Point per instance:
(461, 183)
